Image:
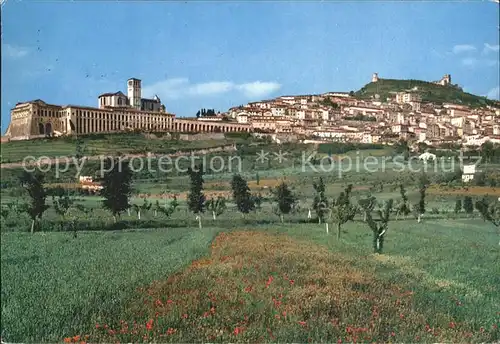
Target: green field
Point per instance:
(54, 286)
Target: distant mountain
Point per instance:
(429, 92)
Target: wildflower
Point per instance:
(171, 331)
(481, 329)
(401, 316)
(169, 302)
(452, 324)
(96, 325)
(417, 337)
(277, 316)
(237, 331)
(206, 314)
(76, 338)
(149, 325)
(392, 334)
(159, 303)
(248, 289)
(284, 313)
(111, 332)
(212, 310)
(339, 341)
(292, 282)
(270, 279)
(303, 323)
(185, 316)
(67, 340)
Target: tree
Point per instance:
(32, 182)
(320, 203)
(167, 209)
(342, 210)
(285, 200)
(458, 206)
(468, 205)
(145, 206)
(257, 178)
(196, 198)
(62, 204)
(116, 187)
(257, 199)
(216, 206)
(402, 207)
(379, 228)
(423, 183)
(489, 212)
(241, 195)
(367, 205)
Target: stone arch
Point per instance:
(48, 128)
(41, 129)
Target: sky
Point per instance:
(207, 54)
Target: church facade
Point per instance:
(116, 112)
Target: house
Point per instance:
(468, 173)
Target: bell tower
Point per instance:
(134, 93)
(375, 77)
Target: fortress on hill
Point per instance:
(445, 80)
(116, 112)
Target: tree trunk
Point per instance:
(139, 214)
(309, 214)
(114, 218)
(397, 215)
(319, 219)
(199, 221)
(419, 218)
(281, 218)
(156, 213)
(339, 226)
(364, 216)
(213, 215)
(128, 211)
(33, 226)
(326, 225)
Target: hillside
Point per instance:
(430, 92)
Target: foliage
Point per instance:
(379, 228)
(167, 209)
(489, 211)
(458, 206)
(284, 198)
(403, 207)
(468, 205)
(320, 202)
(32, 182)
(342, 210)
(241, 195)
(196, 198)
(116, 185)
(216, 206)
(145, 206)
(367, 205)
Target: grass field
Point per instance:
(451, 269)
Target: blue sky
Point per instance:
(217, 55)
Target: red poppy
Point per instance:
(185, 316)
(270, 279)
(303, 323)
(452, 324)
(292, 282)
(392, 334)
(149, 325)
(67, 340)
(237, 331)
(171, 331)
(96, 325)
(159, 303)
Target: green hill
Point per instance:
(430, 92)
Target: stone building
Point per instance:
(115, 113)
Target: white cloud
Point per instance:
(463, 48)
(14, 52)
(181, 88)
(258, 88)
(494, 93)
(491, 48)
(475, 62)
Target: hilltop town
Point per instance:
(384, 111)
(344, 117)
